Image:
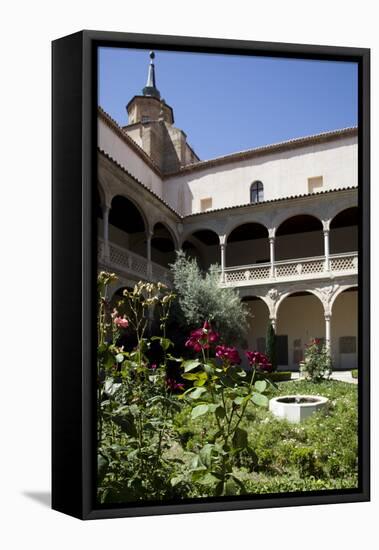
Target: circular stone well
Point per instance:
(296, 408)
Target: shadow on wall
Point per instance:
(41, 497)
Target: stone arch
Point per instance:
(169, 229)
(189, 232)
(288, 243)
(285, 214)
(248, 243)
(163, 245)
(137, 205)
(345, 203)
(251, 216)
(258, 320)
(344, 231)
(100, 195)
(207, 244)
(297, 323)
(128, 226)
(341, 289)
(344, 327)
(299, 288)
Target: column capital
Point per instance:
(326, 226)
(222, 239)
(271, 233)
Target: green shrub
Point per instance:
(271, 346)
(201, 298)
(320, 453)
(277, 376)
(317, 361)
(354, 373)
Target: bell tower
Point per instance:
(151, 126)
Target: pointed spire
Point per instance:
(150, 89)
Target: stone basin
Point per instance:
(296, 408)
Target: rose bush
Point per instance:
(317, 363)
(136, 399)
(220, 387)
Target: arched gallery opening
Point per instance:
(162, 246)
(259, 319)
(126, 226)
(248, 244)
(344, 232)
(300, 318)
(344, 330)
(299, 237)
(204, 245)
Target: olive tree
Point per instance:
(200, 298)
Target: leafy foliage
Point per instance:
(317, 361)
(136, 400)
(208, 433)
(201, 297)
(320, 453)
(271, 346)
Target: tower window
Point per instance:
(256, 192)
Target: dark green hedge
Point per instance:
(277, 376)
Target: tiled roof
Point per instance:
(109, 121)
(242, 155)
(253, 205)
(108, 156)
(289, 197)
(232, 157)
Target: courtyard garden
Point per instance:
(181, 415)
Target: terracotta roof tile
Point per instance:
(289, 197)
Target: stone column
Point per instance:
(326, 250)
(273, 323)
(272, 254)
(106, 211)
(148, 254)
(223, 255)
(328, 331)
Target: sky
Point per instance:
(228, 103)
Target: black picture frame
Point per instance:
(74, 265)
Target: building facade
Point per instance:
(281, 221)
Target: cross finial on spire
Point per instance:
(150, 89)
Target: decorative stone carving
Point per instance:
(273, 294)
(327, 292)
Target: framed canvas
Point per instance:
(210, 275)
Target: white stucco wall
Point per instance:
(116, 148)
(283, 174)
